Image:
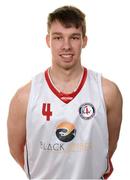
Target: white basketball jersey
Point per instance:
(66, 134)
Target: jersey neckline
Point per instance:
(66, 98)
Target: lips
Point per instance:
(66, 55)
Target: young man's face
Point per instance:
(66, 45)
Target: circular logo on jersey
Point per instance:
(86, 111)
(65, 131)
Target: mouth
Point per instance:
(66, 56)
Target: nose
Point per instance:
(66, 45)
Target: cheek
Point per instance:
(78, 48)
(54, 49)
(55, 46)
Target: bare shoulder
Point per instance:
(113, 101)
(16, 123)
(23, 93)
(17, 115)
(20, 99)
(112, 94)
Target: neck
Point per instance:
(65, 75)
(66, 80)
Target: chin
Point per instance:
(67, 66)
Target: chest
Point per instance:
(49, 109)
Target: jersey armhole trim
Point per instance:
(101, 92)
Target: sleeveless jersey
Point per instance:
(66, 134)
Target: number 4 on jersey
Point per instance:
(46, 110)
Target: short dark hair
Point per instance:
(68, 16)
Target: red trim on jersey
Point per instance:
(109, 170)
(66, 98)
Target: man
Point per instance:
(65, 123)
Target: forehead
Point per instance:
(57, 27)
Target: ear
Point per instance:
(85, 40)
(48, 40)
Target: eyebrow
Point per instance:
(73, 34)
(56, 33)
(76, 34)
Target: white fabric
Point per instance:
(85, 156)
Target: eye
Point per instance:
(57, 38)
(75, 37)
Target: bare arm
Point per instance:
(113, 100)
(17, 124)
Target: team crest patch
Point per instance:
(86, 111)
